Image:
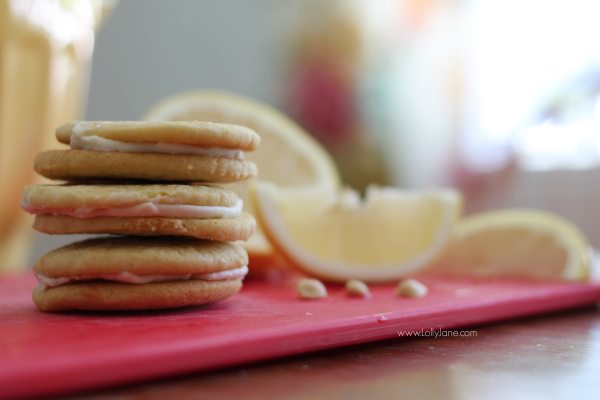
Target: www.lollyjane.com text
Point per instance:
(435, 333)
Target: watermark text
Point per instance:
(436, 333)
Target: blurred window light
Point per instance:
(516, 52)
(597, 111)
(62, 20)
(550, 146)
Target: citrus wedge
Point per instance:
(334, 235)
(516, 243)
(287, 155)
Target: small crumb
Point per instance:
(354, 287)
(309, 313)
(411, 288)
(311, 289)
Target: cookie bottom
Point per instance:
(226, 230)
(105, 296)
(77, 165)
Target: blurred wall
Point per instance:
(149, 49)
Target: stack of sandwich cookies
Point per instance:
(181, 253)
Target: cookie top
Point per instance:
(88, 165)
(222, 229)
(88, 200)
(141, 256)
(195, 133)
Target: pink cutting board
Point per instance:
(43, 354)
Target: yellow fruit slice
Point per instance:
(337, 236)
(287, 155)
(516, 243)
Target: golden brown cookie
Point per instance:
(155, 255)
(105, 296)
(53, 198)
(206, 212)
(196, 133)
(78, 165)
(129, 273)
(230, 229)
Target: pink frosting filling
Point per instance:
(79, 141)
(127, 277)
(147, 209)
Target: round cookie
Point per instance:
(230, 229)
(106, 296)
(205, 212)
(154, 255)
(90, 165)
(90, 271)
(196, 133)
(49, 198)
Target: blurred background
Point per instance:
(499, 98)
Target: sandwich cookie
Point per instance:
(178, 151)
(205, 212)
(133, 273)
